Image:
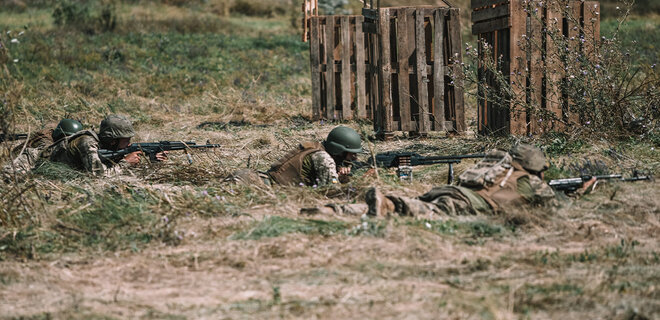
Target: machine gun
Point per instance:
(150, 149)
(12, 137)
(572, 184)
(404, 161)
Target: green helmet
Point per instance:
(115, 127)
(530, 157)
(343, 139)
(65, 128)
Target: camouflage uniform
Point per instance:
(457, 200)
(23, 161)
(515, 184)
(80, 151)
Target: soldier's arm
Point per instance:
(325, 168)
(534, 190)
(87, 149)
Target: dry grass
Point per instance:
(173, 240)
(595, 257)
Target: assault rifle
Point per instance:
(150, 149)
(12, 137)
(572, 184)
(406, 160)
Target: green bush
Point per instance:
(89, 17)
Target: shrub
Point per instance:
(603, 84)
(89, 17)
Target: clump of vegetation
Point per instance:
(602, 83)
(86, 16)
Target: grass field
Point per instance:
(174, 241)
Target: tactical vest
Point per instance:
(288, 170)
(504, 190)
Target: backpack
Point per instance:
(486, 171)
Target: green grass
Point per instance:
(639, 35)
(175, 57)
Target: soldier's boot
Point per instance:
(379, 204)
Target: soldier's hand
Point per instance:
(344, 171)
(161, 156)
(133, 158)
(587, 186)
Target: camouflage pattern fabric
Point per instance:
(80, 153)
(25, 159)
(450, 200)
(319, 169)
(351, 209)
(536, 191)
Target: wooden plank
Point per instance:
(535, 60)
(315, 61)
(370, 27)
(403, 56)
(360, 83)
(424, 125)
(456, 54)
(439, 70)
(330, 74)
(518, 123)
(346, 68)
(574, 14)
(475, 4)
(370, 13)
(385, 79)
(553, 65)
(490, 26)
(490, 13)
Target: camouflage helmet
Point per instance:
(529, 157)
(343, 139)
(115, 127)
(65, 128)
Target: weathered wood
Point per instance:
(456, 55)
(490, 13)
(553, 66)
(370, 27)
(346, 68)
(535, 65)
(403, 57)
(422, 77)
(573, 16)
(330, 74)
(315, 61)
(370, 13)
(475, 4)
(518, 123)
(385, 79)
(493, 25)
(439, 70)
(360, 83)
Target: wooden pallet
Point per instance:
(520, 32)
(338, 67)
(310, 8)
(412, 50)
